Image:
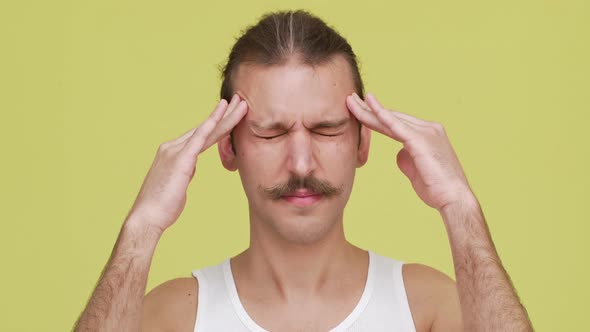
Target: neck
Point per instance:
(296, 271)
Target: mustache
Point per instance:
(295, 183)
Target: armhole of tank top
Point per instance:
(201, 298)
(402, 298)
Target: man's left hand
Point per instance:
(427, 157)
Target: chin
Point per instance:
(303, 230)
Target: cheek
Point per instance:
(340, 149)
(260, 151)
(260, 160)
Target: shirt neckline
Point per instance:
(342, 326)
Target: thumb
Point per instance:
(406, 164)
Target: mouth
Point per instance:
(302, 198)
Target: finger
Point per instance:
(394, 128)
(225, 126)
(366, 117)
(216, 113)
(195, 142)
(374, 103)
(397, 126)
(406, 164)
(233, 103)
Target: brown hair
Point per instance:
(281, 35)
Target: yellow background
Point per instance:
(89, 89)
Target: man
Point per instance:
(296, 128)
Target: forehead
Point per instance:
(293, 90)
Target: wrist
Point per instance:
(141, 236)
(466, 225)
(137, 223)
(466, 205)
(463, 200)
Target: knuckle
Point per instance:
(437, 127)
(162, 147)
(166, 149)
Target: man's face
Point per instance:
(297, 148)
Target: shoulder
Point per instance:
(433, 298)
(171, 306)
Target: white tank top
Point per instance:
(383, 306)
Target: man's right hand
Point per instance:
(162, 196)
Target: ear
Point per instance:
(363, 150)
(226, 154)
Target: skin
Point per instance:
(299, 265)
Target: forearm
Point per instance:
(117, 300)
(488, 300)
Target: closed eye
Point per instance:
(328, 135)
(275, 136)
(269, 137)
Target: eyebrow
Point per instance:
(331, 123)
(267, 126)
(282, 126)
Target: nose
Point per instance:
(301, 154)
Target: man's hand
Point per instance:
(427, 157)
(116, 303)
(162, 196)
(488, 300)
